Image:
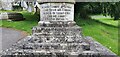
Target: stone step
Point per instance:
(75, 29)
(56, 40)
(56, 23)
(54, 46)
(64, 34)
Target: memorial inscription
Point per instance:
(57, 12)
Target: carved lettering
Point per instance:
(57, 11)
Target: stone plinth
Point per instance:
(55, 40)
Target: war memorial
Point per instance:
(57, 35)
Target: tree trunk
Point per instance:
(84, 14)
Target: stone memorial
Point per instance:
(11, 16)
(57, 35)
(3, 15)
(57, 12)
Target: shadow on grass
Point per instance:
(93, 22)
(105, 23)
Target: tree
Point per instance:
(0, 4)
(106, 8)
(110, 8)
(81, 10)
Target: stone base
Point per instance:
(57, 39)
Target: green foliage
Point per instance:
(81, 9)
(111, 8)
(106, 8)
(17, 8)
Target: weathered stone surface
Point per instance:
(57, 24)
(15, 16)
(3, 15)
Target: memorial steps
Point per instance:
(57, 41)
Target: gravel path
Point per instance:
(9, 36)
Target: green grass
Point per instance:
(30, 21)
(105, 34)
(107, 20)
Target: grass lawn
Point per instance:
(26, 25)
(100, 31)
(105, 34)
(107, 20)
